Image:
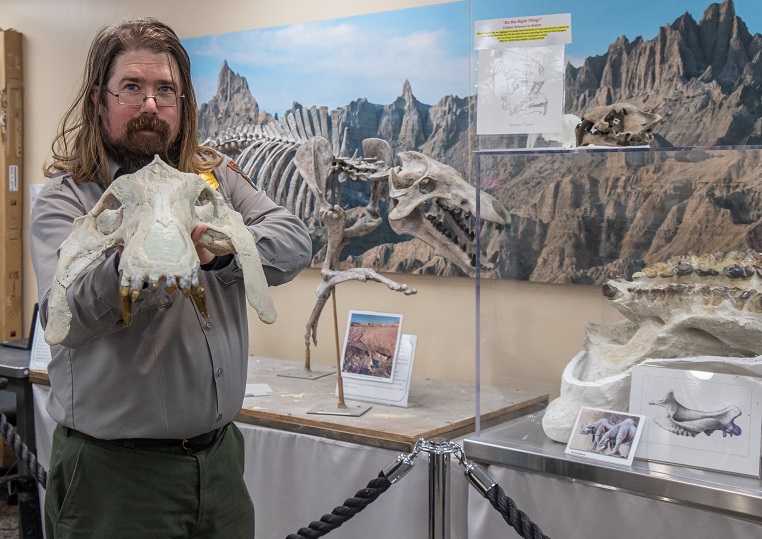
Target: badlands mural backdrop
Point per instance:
(577, 217)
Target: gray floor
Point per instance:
(9, 519)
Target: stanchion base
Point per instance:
(350, 410)
(306, 375)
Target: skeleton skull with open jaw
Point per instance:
(620, 124)
(156, 214)
(433, 203)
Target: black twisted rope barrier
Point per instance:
(26, 457)
(513, 515)
(342, 513)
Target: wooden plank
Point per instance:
(11, 184)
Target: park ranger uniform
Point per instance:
(171, 382)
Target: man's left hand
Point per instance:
(205, 256)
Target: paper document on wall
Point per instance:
(521, 74)
(40, 355)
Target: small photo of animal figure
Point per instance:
(605, 435)
(370, 346)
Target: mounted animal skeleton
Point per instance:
(297, 167)
(428, 199)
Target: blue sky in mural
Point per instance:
(336, 61)
(373, 318)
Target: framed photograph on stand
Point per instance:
(370, 346)
(605, 435)
(701, 419)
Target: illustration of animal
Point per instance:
(686, 422)
(621, 434)
(596, 430)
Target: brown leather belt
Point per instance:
(196, 443)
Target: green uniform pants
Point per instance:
(103, 490)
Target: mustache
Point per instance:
(148, 123)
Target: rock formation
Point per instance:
(576, 218)
(232, 105)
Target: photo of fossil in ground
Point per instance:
(371, 345)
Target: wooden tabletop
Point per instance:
(436, 408)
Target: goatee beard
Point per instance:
(136, 148)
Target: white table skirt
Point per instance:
(573, 510)
(295, 479)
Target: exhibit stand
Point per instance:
(573, 496)
(570, 496)
(299, 466)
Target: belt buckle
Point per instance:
(185, 446)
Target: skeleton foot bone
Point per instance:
(157, 211)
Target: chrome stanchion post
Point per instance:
(439, 492)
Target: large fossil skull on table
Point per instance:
(152, 213)
(705, 311)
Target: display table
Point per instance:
(299, 466)
(568, 496)
(14, 366)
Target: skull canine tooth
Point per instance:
(199, 298)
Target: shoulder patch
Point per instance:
(210, 179)
(233, 166)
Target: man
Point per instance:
(145, 446)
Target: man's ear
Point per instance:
(94, 96)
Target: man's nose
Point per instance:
(149, 104)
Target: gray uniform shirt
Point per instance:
(172, 373)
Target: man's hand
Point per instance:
(205, 256)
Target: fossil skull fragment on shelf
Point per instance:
(430, 201)
(152, 213)
(620, 124)
(690, 309)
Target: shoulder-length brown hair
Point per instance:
(78, 147)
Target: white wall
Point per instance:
(534, 329)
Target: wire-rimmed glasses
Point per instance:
(136, 99)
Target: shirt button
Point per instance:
(219, 372)
(219, 417)
(208, 324)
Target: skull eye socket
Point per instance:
(425, 185)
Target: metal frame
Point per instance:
(521, 443)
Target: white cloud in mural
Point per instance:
(333, 64)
